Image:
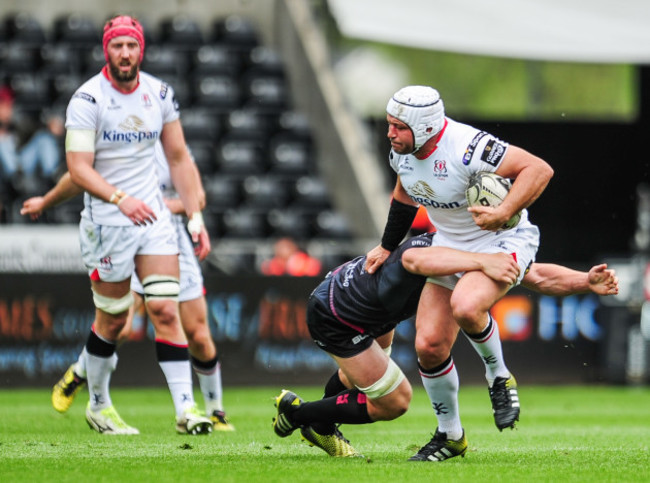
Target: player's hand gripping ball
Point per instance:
(489, 189)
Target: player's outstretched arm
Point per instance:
(552, 279)
(441, 261)
(64, 190)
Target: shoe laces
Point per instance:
(499, 394)
(111, 414)
(339, 434)
(73, 385)
(438, 441)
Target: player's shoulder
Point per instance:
(156, 85)
(90, 92)
(475, 145)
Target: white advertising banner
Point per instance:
(40, 249)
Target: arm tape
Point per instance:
(80, 140)
(400, 219)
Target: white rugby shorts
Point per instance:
(523, 241)
(111, 250)
(191, 277)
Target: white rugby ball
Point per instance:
(489, 189)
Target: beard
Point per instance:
(120, 76)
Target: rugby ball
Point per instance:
(489, 189)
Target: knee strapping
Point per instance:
(112, 305)
(391, 379)
(158, 287)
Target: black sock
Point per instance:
(334, 386)
(348, 407)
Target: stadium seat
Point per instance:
(294, 222)
(222, 191)
(294, 123)
(247, 123)
(59, 58)
(203, 153)
(63, 85)
(264, 60)
(218, 92)
(235, 31)
(311, 191)
(242, 156)
(93, 60)
(245, 223)
(331, 224)
(181, 31)
(290, 155)
(31, 90)
(216, 59)
(164, 60)
(76, 29)
(265, 92)
(25, 28)
(265, 191)
(182, 89)
(18, 57)
(200, 124)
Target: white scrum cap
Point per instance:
(421, 109)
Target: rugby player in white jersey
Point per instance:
(113, 122)
(193, 311)
(434, 156)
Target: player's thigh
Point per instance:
(475, 292)
(365, 368)
(147, 265)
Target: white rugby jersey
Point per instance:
(439, 181)
(127, 127)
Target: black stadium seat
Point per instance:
(265, 191)
(77, 29)
(216, 59)
(23, 27)
(240, 156)
(181, 31)
(219, 92)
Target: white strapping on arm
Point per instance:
(80, 140)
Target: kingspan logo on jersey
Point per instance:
(424, 194)
(130, 132)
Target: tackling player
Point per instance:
(351, 315)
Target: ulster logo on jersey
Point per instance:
(440, 168)
(146, 101)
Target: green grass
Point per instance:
(565, 434)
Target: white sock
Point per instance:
(179, 379)
(98, 373)
(488, 345)
(210, 383)
(441, 386)
(79, 367)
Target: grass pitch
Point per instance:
(565, 434)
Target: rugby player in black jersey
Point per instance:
(352, 313)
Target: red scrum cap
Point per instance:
(123, 25)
